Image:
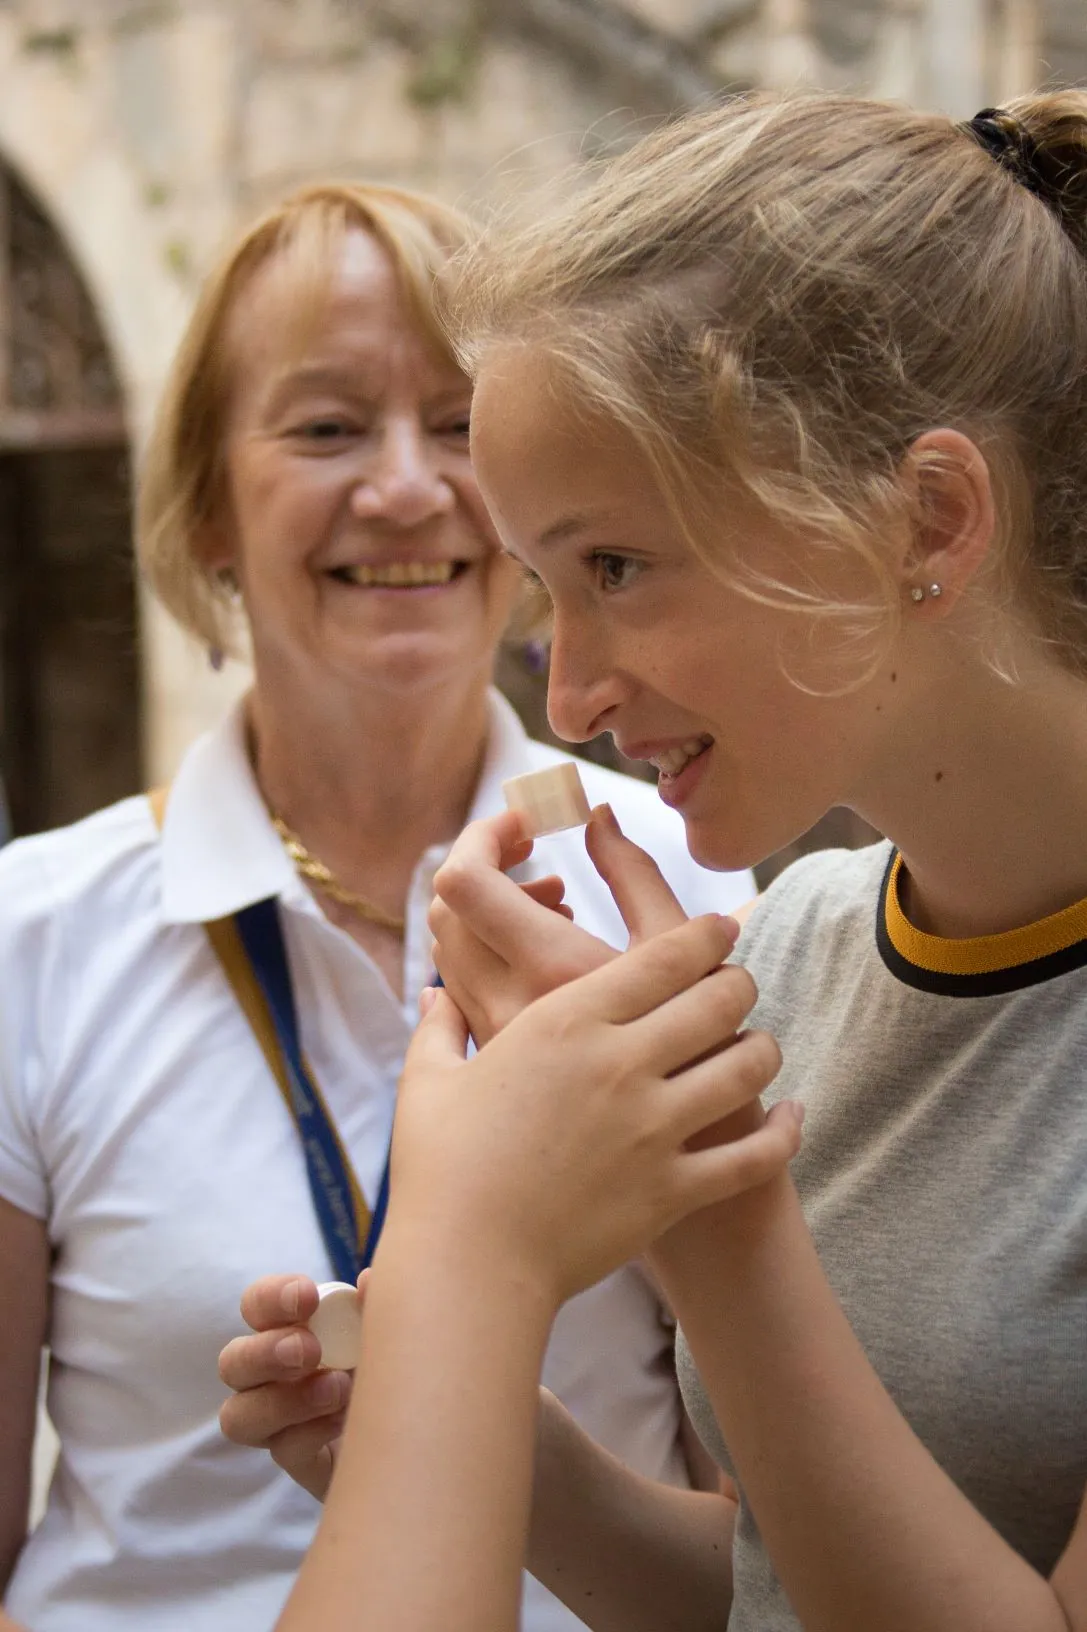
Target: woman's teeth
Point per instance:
(673, 760)
(400, 574)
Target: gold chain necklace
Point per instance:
(326, 880)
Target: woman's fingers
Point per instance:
(256, 1416)
(278, 1300)
(281, 1355)
(637, 884)
(308, 1452)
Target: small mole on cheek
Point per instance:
(939, 776)
(879, 708)
(894, 677)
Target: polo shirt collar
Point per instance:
(220, 851)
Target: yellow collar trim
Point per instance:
(979, 954)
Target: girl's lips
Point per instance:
(677, 790)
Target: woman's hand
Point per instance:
(564, 1146)
(284, 1401)
(499, 946)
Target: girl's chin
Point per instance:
(714, 847)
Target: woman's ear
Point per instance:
(212, 549)
(955, 518)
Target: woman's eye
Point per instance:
(322, 430)
(536, 604)
(614, 571)
(457, 427)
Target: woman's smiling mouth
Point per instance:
(400, 574)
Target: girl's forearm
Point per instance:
(625, 1553)
(862, 1525)
(425, 1524)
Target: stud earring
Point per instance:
(917, 593)
(216, 657)
(935, 591)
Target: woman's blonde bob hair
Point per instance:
(182, 488)
(776, 296)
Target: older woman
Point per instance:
(309, 469)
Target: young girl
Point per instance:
(788, 410)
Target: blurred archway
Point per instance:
(69, 671)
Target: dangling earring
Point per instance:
(534, 654)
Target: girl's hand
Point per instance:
(562, 1147)
(284, 1402)
(498, 948)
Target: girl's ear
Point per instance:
(955, 518)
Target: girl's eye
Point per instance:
(614, 571)
(456, 427)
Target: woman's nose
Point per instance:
(403, 484)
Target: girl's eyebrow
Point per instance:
(569, 526)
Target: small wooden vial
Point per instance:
(336, 1323)
(553, 800)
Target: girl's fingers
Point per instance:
(648, 976)
(637, 884)
(707, 1093)
(278, 1300)
(720, 1172)
(441, 1037)
(468, 967)
(546, 892)
(498, 911)
(257, 1415)
(704, 1017)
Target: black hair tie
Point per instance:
(1013, 148)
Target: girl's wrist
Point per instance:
(733, 1233)
(462, 1250)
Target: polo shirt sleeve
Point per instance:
(27, 954)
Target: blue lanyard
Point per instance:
(331, 1182)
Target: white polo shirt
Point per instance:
(137, 1116)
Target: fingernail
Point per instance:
(426, 999)
(330, 1390)
(289, 1299)
(288, 1351)
(796, 1111)
(606, 817)
(730, 927)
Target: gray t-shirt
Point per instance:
(943, 1175)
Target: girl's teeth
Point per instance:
(673, 760)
